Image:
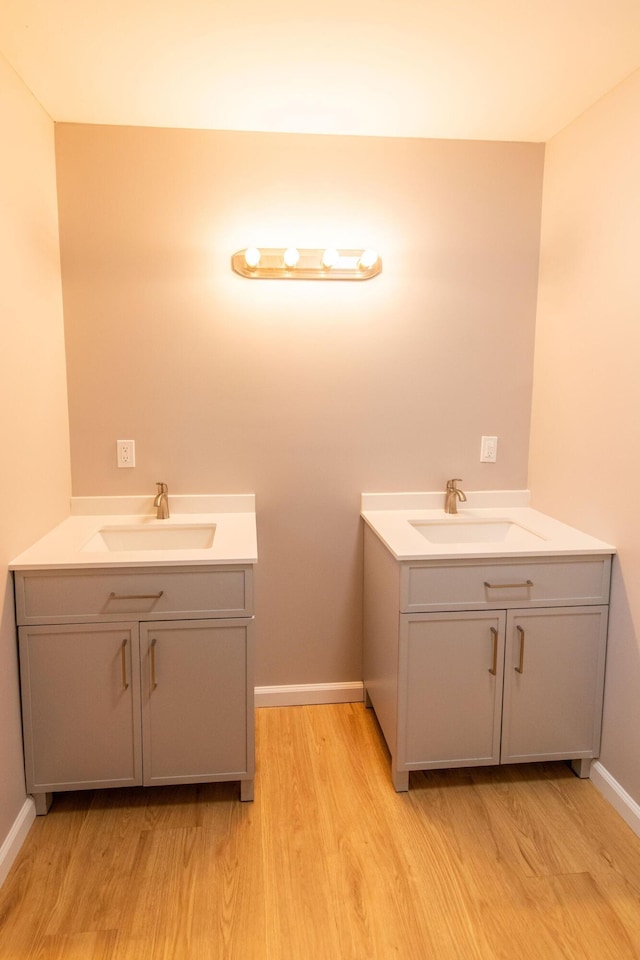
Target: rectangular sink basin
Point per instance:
(465, 530)
(192, 536)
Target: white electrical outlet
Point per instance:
(126, 450)
(489, 450)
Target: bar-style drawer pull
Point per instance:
(520, 667)
(507, 586)
(152, 659)
(494, 667)
(123, 655)
(136, 596)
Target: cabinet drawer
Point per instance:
(54, 596)
(530, 582)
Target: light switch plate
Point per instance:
(489, 450)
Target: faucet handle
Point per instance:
(451, 484)
(162, 487)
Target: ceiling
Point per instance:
(462, 69)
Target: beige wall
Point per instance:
(585, 445)
(34, 478)
(306, 393)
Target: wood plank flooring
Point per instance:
(329, 862)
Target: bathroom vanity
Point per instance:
(485, 633)
(136, 640)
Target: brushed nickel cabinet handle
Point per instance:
(520, 667)
(494, 668)
(507, 586)
(136, 596)
(152, 656)
(123, 663)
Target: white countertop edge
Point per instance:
(122, 561)
(178, 503)
(432, 500)
(394, 527)
(66, 545)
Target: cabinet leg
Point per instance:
(42, 802)
(400, 778)
(367, 700)
(582, 767)
(246, 789)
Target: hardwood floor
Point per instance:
(329, 862)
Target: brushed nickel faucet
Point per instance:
(453, 495)
(161, 501)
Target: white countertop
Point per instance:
(398, 518)
(234, 541)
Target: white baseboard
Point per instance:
(617, 796)
(300, 694)
(16, 837)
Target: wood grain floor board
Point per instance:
(579, 919)
(330, 862)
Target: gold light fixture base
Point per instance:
(311, 264)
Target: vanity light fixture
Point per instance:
(330, 257)
(295, 263)
(291, 257)
(252, 257)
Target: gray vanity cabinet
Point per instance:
(80, 706)
(449, 703)
(164, 696)
(553, 683)
(194, 730)
(471, 662)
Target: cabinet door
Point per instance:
(81, 706)
(450, 689)
(553, 687)
(197, 700)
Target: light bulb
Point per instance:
(291, 257)
(368, 259)
(252, 257)
(330, 257)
